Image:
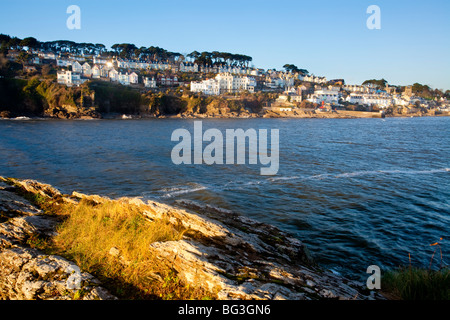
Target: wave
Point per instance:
(176, 191)
(358, 174)
(21, 118)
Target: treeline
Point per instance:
(123, 50)
(420, 90)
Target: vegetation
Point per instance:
(417, 284)
(111, 241)
(412, 283)
(295, 69)
(378, 83)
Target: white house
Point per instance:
(99, 60)
(96, 72)
(76, 67)
(229, 83)
(134, 78)
(113, 75)
(124, 78)
(62, 62)
(313, 78)
(327, 96)
(69, 78)
(381, 100)
(208, 87)
(87, 70)
(149, 83)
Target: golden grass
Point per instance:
(90, 230)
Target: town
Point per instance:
(212, 74)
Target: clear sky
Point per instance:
(328, 38)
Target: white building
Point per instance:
(327, 96)
(69, 78)
(381, 100)
(99, 60)
(76, 67)
(96, 72)
(113, 75)
(312, 78)
(150, 83)
(87, 70)
(134, 79)
(208, 87)
(62, 62)
(124, 78)
(229, 83)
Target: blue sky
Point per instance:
(328, 38)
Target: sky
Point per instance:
(328, 38)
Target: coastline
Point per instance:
(222, 252)
(340, 114)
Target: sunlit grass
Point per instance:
(91, 230)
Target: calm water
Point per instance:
(357, 192)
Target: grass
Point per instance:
(417, 284)
(89, 230)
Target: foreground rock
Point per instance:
(229, 255)
(27, 273)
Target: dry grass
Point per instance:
(89, 230)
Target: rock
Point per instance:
(29, 274)
(227, 254)
(15, 204)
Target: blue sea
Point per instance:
(357, 192)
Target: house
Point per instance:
(134, 79)
(150, 83)
(86, 69)
(208, 87)
(313, 78)
(289, 97)
(230, 83)
(96, 72)
(63, 62)
(381, 100)
(168, 81)
(69, 78)
(224, 82)
(47, 55)
(99, 60)
(113, 75)
(124, 78)
(326, 96)
(76, 67)
(188, 67)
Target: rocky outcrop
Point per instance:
(232, 256)
(27, 273)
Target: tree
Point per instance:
(29, 42)
(23, 57)
(291, 68)
(378, 83)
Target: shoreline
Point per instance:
(272, 115)
(233, 256)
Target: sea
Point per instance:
(357, 192)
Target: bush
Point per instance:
(417, 284)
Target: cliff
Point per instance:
(220, 252)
